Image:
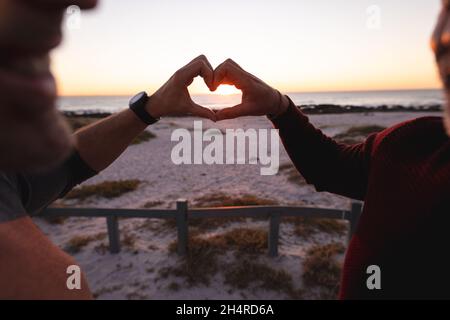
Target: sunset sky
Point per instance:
(294, 45)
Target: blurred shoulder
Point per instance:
(419, 134)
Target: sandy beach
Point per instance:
(145, 267)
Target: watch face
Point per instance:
(137, 97)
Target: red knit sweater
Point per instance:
(403, 176)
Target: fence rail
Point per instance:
(182, 214)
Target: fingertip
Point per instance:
(220, 116)
(210, 84)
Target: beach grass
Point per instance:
(307, 227)
(55, 220)
(202, 260)
(199, 265)
(107, 189)
(224, 200)
(292, 174)
(243, 240)
(143, 137)
(247, 273)
(129, 240)
(77, 243)
(221, 200)
(358, 134)
(322, 270)
(152, 204)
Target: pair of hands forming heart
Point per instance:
(258, 98)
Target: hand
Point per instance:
(173, 98)
(258, 99)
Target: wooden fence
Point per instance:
(182, 214)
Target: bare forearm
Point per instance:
(103, 142)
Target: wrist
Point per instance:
(284, 106)
(153, 107)
(139, 105)
(281, 107)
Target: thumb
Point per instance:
(240, 110)
(202, 112)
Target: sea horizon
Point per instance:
(415, 98)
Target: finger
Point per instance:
(204, 58)
(231, 61)
(209, 83)
(240, 110)
(201, 58)
(198, 67)
(199, 111)
(227, 73)
(243, 70)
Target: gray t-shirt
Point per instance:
(25, 193)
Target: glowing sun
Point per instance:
(227, 90)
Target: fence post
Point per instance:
(274, 232)
(182, 227)
(354, 218)
(113, 234)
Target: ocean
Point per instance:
(404, 98)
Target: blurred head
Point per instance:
(32, 133)
(441, 45)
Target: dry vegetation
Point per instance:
(322, 270)
(292, 174)
(129, 240)
(201, 261)
(246, 273)
(224, 200)
(107, 189)
(221, 200)
(152, 204)
(207, 256)
(143, 137)
(358, 134)
(79, 242)
(307, 227)
(55, 220)
(107, 290)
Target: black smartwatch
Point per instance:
(138, 103)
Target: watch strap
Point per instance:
(138, 108)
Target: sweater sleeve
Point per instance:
(39, 190)
(328, 165)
